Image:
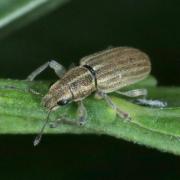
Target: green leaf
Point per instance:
(21, 112)
(15, 13)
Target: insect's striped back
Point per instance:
(118, 67)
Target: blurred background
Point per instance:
(70, 32)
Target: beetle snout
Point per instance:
(49, 102)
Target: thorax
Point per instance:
(80, 81)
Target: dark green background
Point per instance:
(72, 31)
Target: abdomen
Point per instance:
(118, 67)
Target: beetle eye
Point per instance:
(62, 102)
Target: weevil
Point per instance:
(102, 72)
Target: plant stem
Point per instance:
(21, 112)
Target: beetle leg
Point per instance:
(151, 103)
(134, 93)
(143, 101)
(119, 112)
(62, 120)
(58, 69)
(81, 113)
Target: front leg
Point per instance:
(80, 120)
(58, 69)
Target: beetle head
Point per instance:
(58, 95)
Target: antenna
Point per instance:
(39, 136)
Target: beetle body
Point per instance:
(105, 71)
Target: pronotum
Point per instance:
(103, 72)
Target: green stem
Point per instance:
(22, 113)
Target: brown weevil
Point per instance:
(103, 72)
